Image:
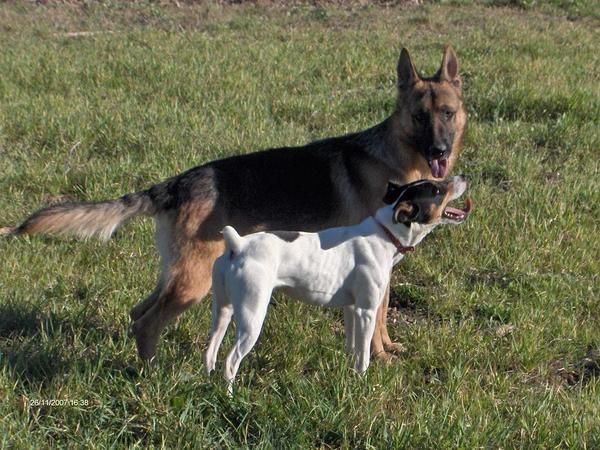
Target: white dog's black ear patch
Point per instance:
(405, 212)
(393, 193)
(396, 192)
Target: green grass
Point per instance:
(500, 315)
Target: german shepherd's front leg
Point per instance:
(381, 339)
(377, 349)
(393, 347)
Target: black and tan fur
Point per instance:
(335, 181)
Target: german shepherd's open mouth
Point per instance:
(439, 167)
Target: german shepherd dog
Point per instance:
(327, 183)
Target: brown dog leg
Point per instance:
(388, 345)
(377, 349)
(140, 309)
(381, 343)
(189, 281)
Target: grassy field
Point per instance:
(500, 315)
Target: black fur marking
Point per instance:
(177, 190)
(296, 182)
(287, 236)
(271, 187)
(289, 188)
(396, 192)
(423, 194)
(393, 192)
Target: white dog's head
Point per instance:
(426, 201)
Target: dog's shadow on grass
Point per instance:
(23, 349)
(37, 346)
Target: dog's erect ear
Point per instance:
(449, 68)
(407, 75)
(393, 192)
(405, 212)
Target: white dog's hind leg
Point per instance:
(222, 310)
(221, 318)
(249, 317)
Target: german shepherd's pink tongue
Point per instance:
(439, 167)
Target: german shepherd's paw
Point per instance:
(395, 348)
(383, 357)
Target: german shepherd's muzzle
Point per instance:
(432, 112)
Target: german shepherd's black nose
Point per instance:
(437, 152)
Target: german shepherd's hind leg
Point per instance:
(140, 309)
(189, 280)
(164, 236)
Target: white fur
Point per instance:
(164, 236)
(346, 267)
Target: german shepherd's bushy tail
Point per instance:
(85, 219)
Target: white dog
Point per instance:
(344, 266)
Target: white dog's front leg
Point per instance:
(364, 327)
(349, 328)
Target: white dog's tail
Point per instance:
(233, 241)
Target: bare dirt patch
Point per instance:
(562, 374)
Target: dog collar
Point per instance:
(401, 248)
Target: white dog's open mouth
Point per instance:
(458, 215)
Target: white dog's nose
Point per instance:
(459, 186)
